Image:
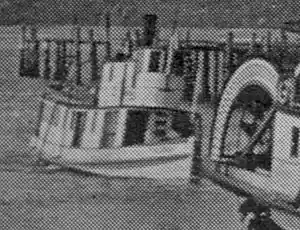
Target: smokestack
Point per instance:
(149, 29)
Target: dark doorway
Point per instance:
(136, 126)
(78, 123)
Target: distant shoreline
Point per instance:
(194, 13)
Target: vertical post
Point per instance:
(188, 38)
(198, 91)
(47, 61)
(149, 29)
(107, 31)
(78, 56)
(57, 74)
(268, 45)
(138, 38)
(35, 63)
(130, 44)
(216, 95)
(228, 68)
(173, 45)
(22, 51)
(94, 61)
(106, 58)
(197, 161)
(63, 62)
(252, 48)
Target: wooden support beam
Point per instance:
(196, 169)
(94, 59)
(47, 61)
(107, 32)
(78, 56)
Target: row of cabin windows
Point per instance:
(136, 125)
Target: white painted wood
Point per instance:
(80, 155)
(257, 72)
(111, 84)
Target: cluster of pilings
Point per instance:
(58, 59)
(281, 53)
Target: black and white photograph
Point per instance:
(149, 114)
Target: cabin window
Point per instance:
(78, 125)
(168, 127)
(55, 116)
(178, 62)
(110, 128)
(182, 125)
(188, 91)
(136, 126)
(154, 65)
(295, 142)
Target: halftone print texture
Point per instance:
(162, 114)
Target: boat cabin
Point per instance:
(133, 110)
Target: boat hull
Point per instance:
(156, 161)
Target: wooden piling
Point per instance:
(216, 95)
(57, 74)
(107, 30)
(78, 56)
(36, 54)
(94, 59)
(228, 65)
(63, 62)
(47, 70)
(22, 51)
(196, 169)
